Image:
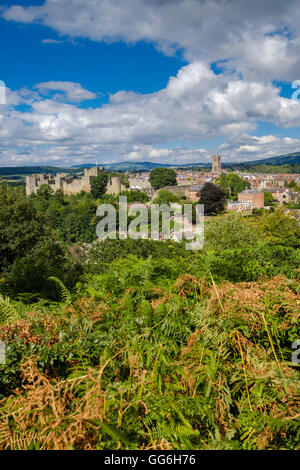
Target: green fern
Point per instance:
(8, 311)
(63, 291)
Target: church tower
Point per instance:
(216, 164)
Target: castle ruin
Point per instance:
(69, 185)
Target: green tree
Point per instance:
(30, 274)
(160, 177)
(59, 196)
(232, 184)
(165, 197)
(268, 199)
(229, 231)
(213, 198)
(78, 219)
(21, 226)
(135, 196)
(280, 228)
(292, 185)
(44, 191)
(99, 185)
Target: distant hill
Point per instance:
(142, 166)
(136, 166)
(123, 166)
(29, 170)
(288, 159)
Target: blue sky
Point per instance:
(158, 81)
(99, 67)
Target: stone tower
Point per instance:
(31, 185)
(93, 171)
(114, 185)
(216, 163)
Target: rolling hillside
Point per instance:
(289, 159)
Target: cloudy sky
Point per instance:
(169, 81)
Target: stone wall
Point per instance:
(71, 186)
(176, 190)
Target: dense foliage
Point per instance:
(165, 197)
(213, 198)
(160, 177)
(141, 344)
(273, 169)
(268, 199)
(141, 359)
(135, 196)
(232, 184)
(99, 185)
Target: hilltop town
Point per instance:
(189, 185)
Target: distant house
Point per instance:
(285, 196)
(193, 192)
(268, 182)
(256, 198)
(239, 206)
(289, 196)
(276, 192)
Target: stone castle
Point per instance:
(69, 185)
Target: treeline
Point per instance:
(30, 170)
(272, 169)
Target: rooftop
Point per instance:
(251, 191)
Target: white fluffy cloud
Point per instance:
(259, 38)
(73, 92)
(175, 155)
(246, 147)
(196, 105)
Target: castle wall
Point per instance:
(71, 186)
(176, 190)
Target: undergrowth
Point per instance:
(140, 358)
